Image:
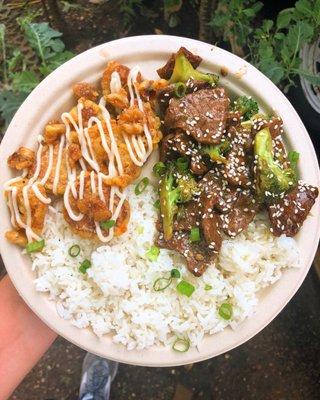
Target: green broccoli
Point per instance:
(272, 178)
(169, 198)
(187, 186)
(216, 152)
(246, 106)
(183, 71)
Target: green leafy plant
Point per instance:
(233, 21)
(128, 9)
(272, 47)
(18, 81)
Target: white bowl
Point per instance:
(54, 95)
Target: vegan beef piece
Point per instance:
(288, 214)
(201, 114)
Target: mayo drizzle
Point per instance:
(135, 145)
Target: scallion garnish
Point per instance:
(153, 253)
(156, 204)
(207, 287)
(194, 235)
(225, 311)
(74, 250)
(38, 245)
(84, 266)
(141, 186)
(159, 168)
(181, 345)
(185, 288)
(161, 284)
(180, 89)
(107, 224)
(182, 163)
(175, 273)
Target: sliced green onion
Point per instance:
(180, 89)
(153, 253)
(181, 345)
(225, 311)
(140, 229)
(156, 204)
(141, 186)
(38, 245)
(194, 235)
(207, 287)
(159, 168)
(175, 273)
(161, 284)
(182, 163)
(185, 288)
(107, 224)
(74, 250)
(84, 266)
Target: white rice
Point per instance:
(116, 295)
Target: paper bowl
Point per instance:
(54, 95)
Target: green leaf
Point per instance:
(43, 39)
(55, 61)
(15, 60)
(9, 103)
(304, 7)
(312, 78)
(284, 18)
(172, 6)
(24, 81)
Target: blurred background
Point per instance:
(282, 39)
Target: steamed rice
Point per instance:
(116, 295)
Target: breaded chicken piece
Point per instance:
(38, 211)
(131, 121)
(118, 100)
(95, 210)
(90, 109)
(85, 90)
(21, 159)
(17, 236)
(130, 170)
(53, 131)
(63, 174)
(113, 66)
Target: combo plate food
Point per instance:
(159, 261)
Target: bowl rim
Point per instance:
(159, 356)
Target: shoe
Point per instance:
(97, 375)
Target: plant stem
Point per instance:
(4, 56)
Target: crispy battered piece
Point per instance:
(74, 154)
(22, 158)
(113, 66)
(38, 209)
(85, 90)
(53, 131)
(90, 109)
(118, 100)
(95, 210)
(16, 237)
(131, 121)
(130, 170)
(63, 174)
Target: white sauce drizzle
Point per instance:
(136, 148)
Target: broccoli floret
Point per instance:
(216, 152)
(169, 198)
(187, 186)
(246, 106)
(183, 71)
(272, 178)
